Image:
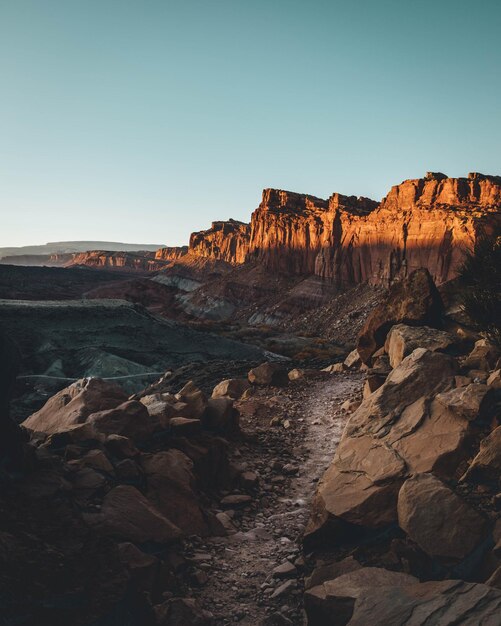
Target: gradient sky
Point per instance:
(145, 120)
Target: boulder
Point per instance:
(403, 339)
(159, 408)
(182, 612)
(494, 379)
(296, 374)
(486, 466)
(128, 515)
(332, 603)
(120, 447)
(232, 388)
(185, 427)
(329, 571)
(483, 356)
(469, 403)
(413, 301)
(130, 419)
(171, 487)
(74, 404)
(98, 460)
(353, 360)
(335, 368)
(142, 567)
(442, 603)
(438, 520)
(269, 374)
(221, 415)
(194, 398)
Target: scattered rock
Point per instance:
(269, 374)
(232, 388)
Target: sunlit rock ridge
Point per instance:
(427, 222)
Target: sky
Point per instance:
(142, 121)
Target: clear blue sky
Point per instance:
(144, 120)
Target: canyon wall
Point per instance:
(171, 253)
(428, 222)
(223, 241)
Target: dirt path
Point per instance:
(235, 577)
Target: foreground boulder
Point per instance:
(269, 374)
(412, 301)
(332, 603)
(130, 419)
(171, 487)
(127, 515)
(74, 404)
(440, 603)
(231, 388)
(439, 521)
(403, 339)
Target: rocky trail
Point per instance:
(255, 575)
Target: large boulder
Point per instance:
(413, 301)
(127, 515)
(438, 520)
(269, 374)
(74, 404)
(398, 430)
(231, 388)
(440, 603)
(171, 487)
(221, 415)
(403, 339)
(130, 419)
(332, 603)
(191, 395)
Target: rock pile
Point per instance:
(415, 481)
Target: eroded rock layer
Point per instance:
(428, 222)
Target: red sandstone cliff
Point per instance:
(171, 253)
(225, 241)
(427, 222)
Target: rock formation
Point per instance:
(427, 222)
(224, 241)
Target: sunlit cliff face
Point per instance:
(428, 222)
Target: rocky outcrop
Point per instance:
(428, 222)
(412, 301)
(171, 253)
(224, 241)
